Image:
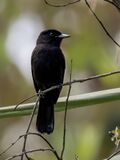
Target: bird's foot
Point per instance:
(41, 94)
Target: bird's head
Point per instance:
(52, 37)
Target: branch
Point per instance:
(61, 5)
(48, 143)
(115, 3)
(99, 21)
(102, 25)
(81, 81)
(114, 154)
(25, 100)
(65, 115)
(31, 151)
(28, 128)
(74, 101)
(11, 145)
(34, 134)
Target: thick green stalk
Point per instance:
(76, 101)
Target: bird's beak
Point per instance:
(64, 35)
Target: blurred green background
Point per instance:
(91, 51)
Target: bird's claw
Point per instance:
(41, 94)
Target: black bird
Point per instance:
(48, 66)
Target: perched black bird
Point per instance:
(48, 65)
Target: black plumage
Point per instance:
(48, 66)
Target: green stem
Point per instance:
(75, 101)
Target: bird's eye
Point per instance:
(51, 34)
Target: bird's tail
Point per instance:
(45, 117)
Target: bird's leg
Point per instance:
(41, 93)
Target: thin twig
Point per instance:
(102, 25)
(28, 128)
(82, 80)
(40, 135)
(49, 144)
(65, 115)
(27, 133)
(112, 155)
(35, 134)
(11, 145)
(61, 5)
(96, 77)
(114, 4)
(31, 151)
(26, 99)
